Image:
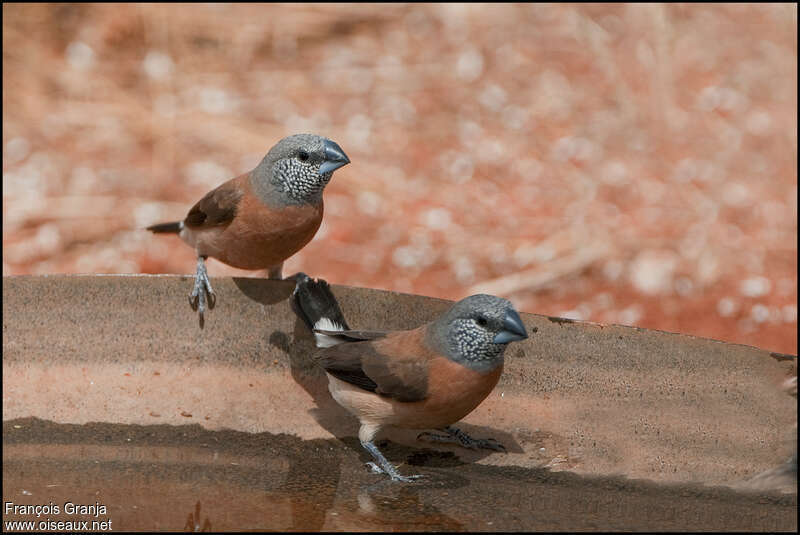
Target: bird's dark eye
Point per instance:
(302, 156)
(482, 321)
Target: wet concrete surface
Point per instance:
(163, 477)
(606, 427)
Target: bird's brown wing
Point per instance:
(395, 366)
(218, 207)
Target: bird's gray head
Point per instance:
(297, 169)
(476, 330)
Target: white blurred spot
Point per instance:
(722, 98)
(613, 269)
(359, 132)
(147, 213)
(493, 97)
(390, 67)
(759, 123)
(527, 168)
(214, 100)
(80, 56)
(755, 286)
(581, 312)
(458, 166)
(360, 80)
(157, 65)
(789, 313)
(419, 253)
(369, 203)
(16, 150)
(630, 315)
(469, 65)
(707, 268)
(400, 109)
(775, 315)
(727, 307)
(553, 95)
(573, 148)
(652, 271)
(47, 239)
(405, 256)
(759, 313)
(470, 133)
(527, 253)
(297, 123)
(573, 314)
(689, 169)
(736, 194)
(515, 117)
(436, 218)
(494, 151)
(645, 54)
(248, 162)
(614, 173)
(83, 179)
(464, 270)
(207, 173)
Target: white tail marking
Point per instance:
(326, 340)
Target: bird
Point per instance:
(259, 219)
(425, 378)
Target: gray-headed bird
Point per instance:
(425, 378)
(259, 219)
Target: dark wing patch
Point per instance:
(218, 207)
(353, 336)
(362, 365)
(344, 362)
(356, 378)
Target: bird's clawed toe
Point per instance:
(393, 475)
(212, 298)
(375, 468)
(406, 479)
(490, 444)
(457, 436)
(202, 292)
(432, 437)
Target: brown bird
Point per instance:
(425, 378)
(261, 218)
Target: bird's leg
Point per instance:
(202, 286)
(457, 436)
(384, 466)
(275, 272)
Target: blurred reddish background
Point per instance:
(631, 164)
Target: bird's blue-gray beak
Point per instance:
(513, 328)
(334, 158)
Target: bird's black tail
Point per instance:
(314, 303)
(166, 228)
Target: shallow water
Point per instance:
(185, 477)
